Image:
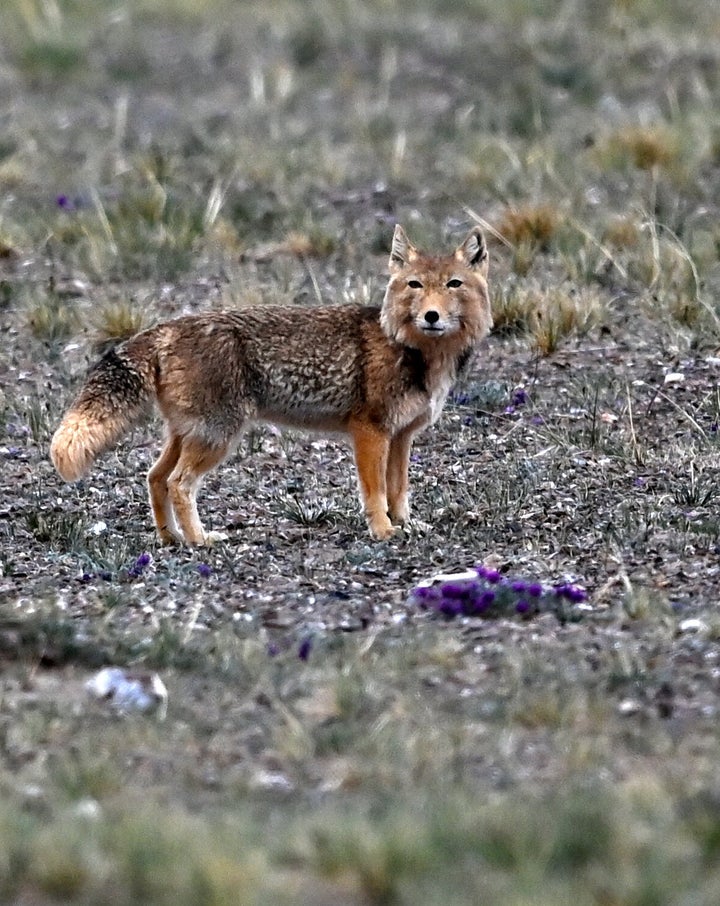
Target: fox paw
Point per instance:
(382, 530)
(167, 537)
(400, 514)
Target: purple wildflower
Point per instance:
(484, 601)
(484, 591)
(572, 593)
(520, 397)
(139, 566)
(426, 595)
(450, 607)
(273, 649)
(66, 203)
(454, 590)
(305, 648)
(204, 570)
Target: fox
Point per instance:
(376, 374)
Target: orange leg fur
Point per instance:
(158, 488)
(397, 476)
(371, 448)
(195, 460)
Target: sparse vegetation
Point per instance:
(328, 739)
(644, 147)
(118, 320)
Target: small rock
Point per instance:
(129, 691)
(692, 624)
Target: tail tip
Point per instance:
(68, 455)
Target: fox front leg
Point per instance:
(372, 448)
(397, 476)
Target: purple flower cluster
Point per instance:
(484, 592)
(518, 400)
(304, 648)
(70, 203)
(139, 566)
(104, 574)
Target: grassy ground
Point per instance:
(327, 741)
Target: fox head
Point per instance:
(435, 301)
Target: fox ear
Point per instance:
(473, 252)
(402, 251)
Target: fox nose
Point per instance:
(432, 317)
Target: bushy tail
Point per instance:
(117, 393)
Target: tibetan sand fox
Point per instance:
(379, 375)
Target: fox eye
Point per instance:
(454, 283)
(415, 284)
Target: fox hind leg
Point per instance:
(158, 475)
(195, 460)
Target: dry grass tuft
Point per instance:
(546, 316)
(622, 232)
(644, 147)
(531, 225)
(512, 309)
(559, 314)
(311, 244)
(116, 321)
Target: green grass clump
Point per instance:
(154, 235)
(126, 856)
(52, 317)
(57, 529)
(52, 59)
